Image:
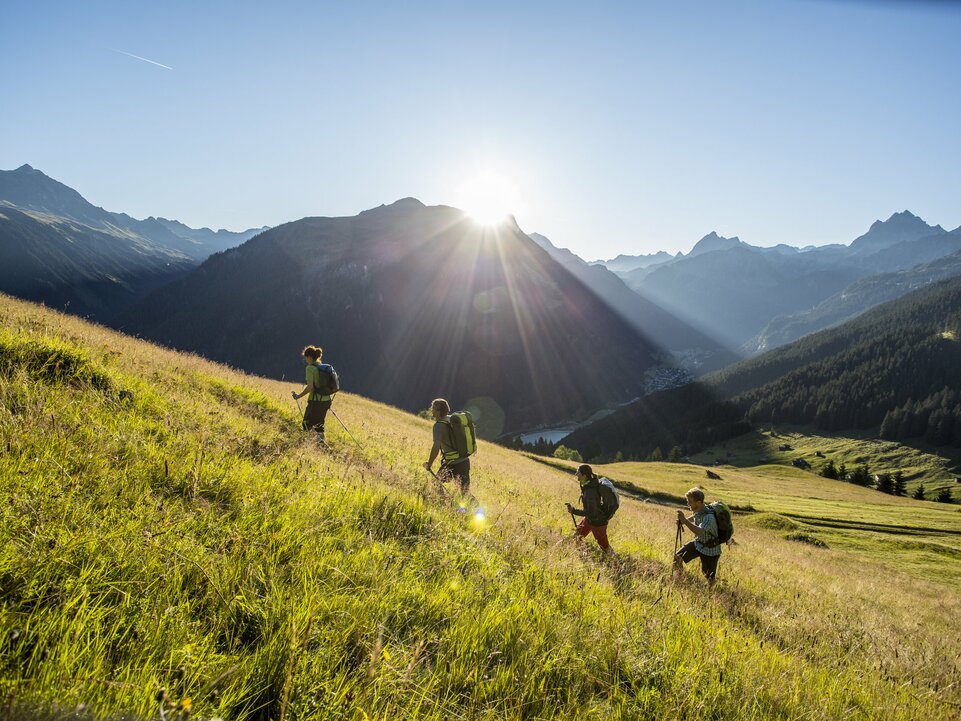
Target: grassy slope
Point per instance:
(929, 467)
(184, 535)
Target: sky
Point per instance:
(617, 127)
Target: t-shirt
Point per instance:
(442, 438)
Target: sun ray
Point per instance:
(489, 198)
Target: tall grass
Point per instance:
(170, 543)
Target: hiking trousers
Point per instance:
(315, 416)
(689, 552)
(600, 533)
(460, 472)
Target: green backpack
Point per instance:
(725, 526)
(463, 437)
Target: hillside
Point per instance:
(59, 249)
(70, 266)
(410, 302)
(695, 350)
(899, 358)
(170, 540)
(734, 291)
(30, 189)
(860, 296)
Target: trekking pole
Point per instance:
(345, 429)
(574, 521)
(297, 401)
(440, 483)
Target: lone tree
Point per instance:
(656, 455)
(675, 455)
(900, 486)
(918, 494)
(828, 470)
(944, 495)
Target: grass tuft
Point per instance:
(808, 538)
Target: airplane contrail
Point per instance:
(146, 60)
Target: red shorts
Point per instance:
(600, 532)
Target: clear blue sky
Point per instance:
(626, 127)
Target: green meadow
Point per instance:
(173, 546)
(919, 465)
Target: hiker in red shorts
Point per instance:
(599, 504)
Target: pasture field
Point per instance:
(917, 463)
(172, 545)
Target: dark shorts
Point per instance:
(315, 416)
(708, 563)
(459, 471)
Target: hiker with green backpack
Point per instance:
(711, 526)
(320, 386)
(455, 440)
(599, 501)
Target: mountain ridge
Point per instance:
(483, 315)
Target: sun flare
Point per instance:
(488, 198)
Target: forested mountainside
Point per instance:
(896, 366)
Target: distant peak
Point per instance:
(407, 203)
(904, 217)
(404, 204)
(713, 241)
(25, 168)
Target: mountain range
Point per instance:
(411, 303)
(692, 349)
(893, 371)
(59, 249)
(733, 291)
(414, 301)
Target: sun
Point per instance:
(488, 198)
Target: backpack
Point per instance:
(610, 501)
(329, 380)
(725, 526)
(463, 437)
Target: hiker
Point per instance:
(599, 502)
(703, 524)
(453, 463)
(320, 386)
